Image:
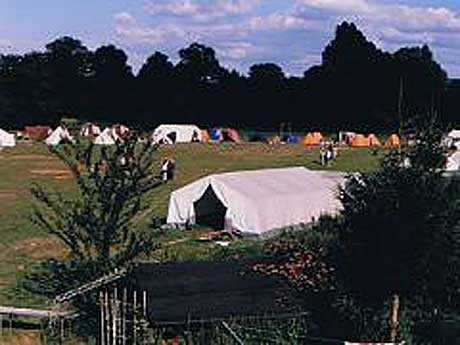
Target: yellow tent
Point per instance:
(312, 139)
(373, 140)
(360, 140)
(393, 140)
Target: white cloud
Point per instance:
(404, 17)
(127, 27)
(200, 11)
(236, 7)
(235, 50)
(278, 21)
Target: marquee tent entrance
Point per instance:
(209, 210)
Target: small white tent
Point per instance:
(7, 139)
(452, 138)
(58, 135)
(90, 130)
(256, 202)
(171, 134)
(105, 138)
(453, 162)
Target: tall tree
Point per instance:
(401, 242)
(112, 82)
(97, 224)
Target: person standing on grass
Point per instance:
(167, 169)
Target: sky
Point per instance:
(291, 33)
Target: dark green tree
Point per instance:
(97, 224)
(401, 237)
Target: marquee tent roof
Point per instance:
(7, 139)
(257, 202)
(176, 133)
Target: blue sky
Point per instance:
(291, 33)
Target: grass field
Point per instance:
(22, 244)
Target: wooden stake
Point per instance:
(123, 327)
(102, 323)
(114, 317)
(107, 318)
(394, 321)
(135, 317)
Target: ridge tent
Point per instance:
(312, 139)
(37, 132)
(105, 138)
(453, 162)
(346, 137)
(256, 202)
(215, 134)
(170, 134)
(90, 130)
(359, 140)
(119, 131)
(452, 138)
(7, 139)
(205, 136)
(231, 134)
(59, 134)
(291, 138)
(258, 137)
(373, 140)
(392, 141)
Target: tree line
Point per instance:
(357, 86)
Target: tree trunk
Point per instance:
(394, 318)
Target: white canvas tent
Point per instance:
(453, 162)
(256, 202)
(452, 138)
(7, 139)
(106, 137)
(171, 134)
(58, 135)
(90, 130)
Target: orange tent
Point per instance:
(204, 136)
(373, 140)
(393, 140)
(312, 139)
(360, 140)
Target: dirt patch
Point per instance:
(31, 157)
(8, 195)
(58, 174)
(24, 338)
(40, 247)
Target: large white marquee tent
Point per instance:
(7, 139)
(256, 202)
(171, 134)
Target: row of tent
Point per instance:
(178, 133)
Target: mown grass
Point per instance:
(22, 244)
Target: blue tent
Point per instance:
(291, 138)
(215, 134)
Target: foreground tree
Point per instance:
(400, 245)
(97, 225)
